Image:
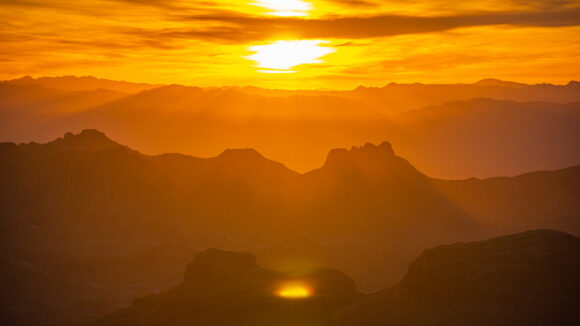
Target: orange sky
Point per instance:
(292, 43)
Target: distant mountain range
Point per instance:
(86, 83)
(522, 279)
(443, 129)
(405, 96)
(85, 200)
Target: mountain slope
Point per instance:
(34, 112)
(480, 137)
(545, 199)
(227, 288)
(529, 278)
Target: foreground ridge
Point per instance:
(529, 278)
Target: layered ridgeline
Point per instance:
(529, 278)
(444, 129)
(81, 212)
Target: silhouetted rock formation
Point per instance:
(87, 140)
(228, 288)
(373, 163)
(529, 278)
(374, 190)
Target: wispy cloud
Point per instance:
(246, 28)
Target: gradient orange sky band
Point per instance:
(213, 43)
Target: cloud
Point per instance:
(248, 28)
(548, 4)
(460, 5)
(355, 3)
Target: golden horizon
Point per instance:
(336, 44)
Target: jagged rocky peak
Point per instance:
(248, 162)
(86, 140)
(337, 155)
(367, 151)
(385, 148)
(370, 159)
(86, 133)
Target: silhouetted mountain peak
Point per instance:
(86, 140)
(93, 133)
(241, 154)
(384, 150)
(26, 78)
(337, 155)
(372, 160)
(499, 83)
(251, 163)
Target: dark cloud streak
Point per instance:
(355, 3)
(246, 28)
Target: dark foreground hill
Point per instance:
(529, 278)
(224, 288)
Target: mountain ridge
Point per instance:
(203, 122)
(92, 197)
(95, 140)
(28, 80)
(83, 83)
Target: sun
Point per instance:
(285, 8)
(282, 56)
(294, 291)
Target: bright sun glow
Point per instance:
(285, 8)
(282, 56)
(294, 291)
